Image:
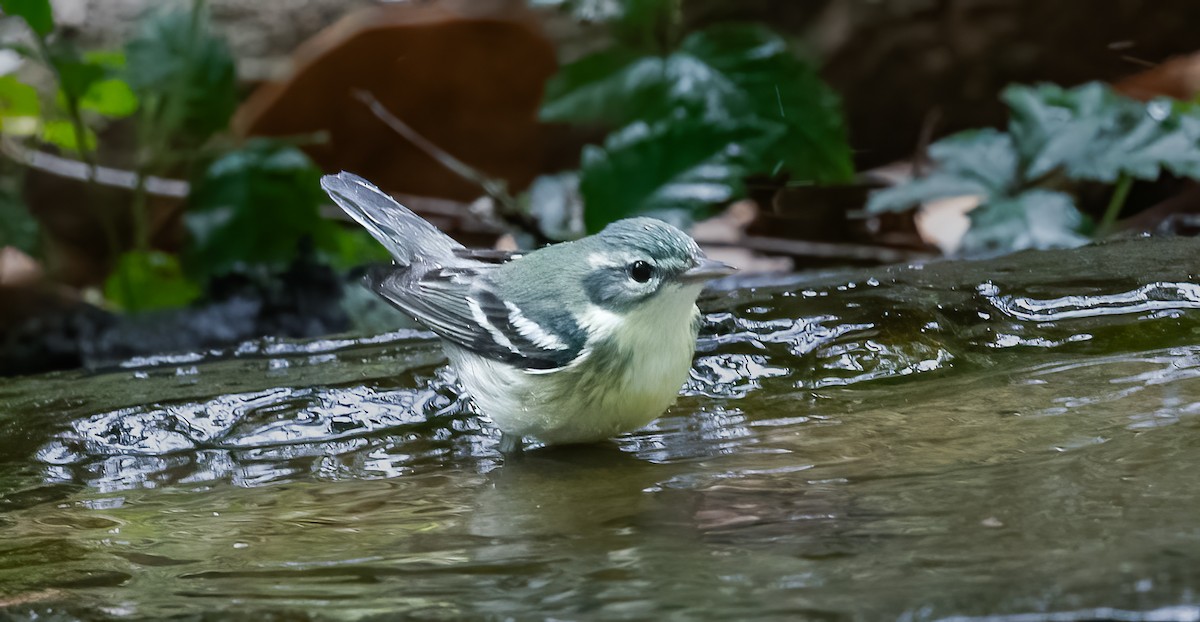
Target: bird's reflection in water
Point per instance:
(601, 490)
(572, 489)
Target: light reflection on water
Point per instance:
(939, 443)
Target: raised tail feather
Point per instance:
(407, 237)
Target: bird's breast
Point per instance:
(629, 372)
(639, 360)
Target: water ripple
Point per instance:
(1152, 297)
(276, 417)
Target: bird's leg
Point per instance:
(510, 443)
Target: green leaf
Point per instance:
(75, 74)
(183, 74)
(62, 134)
(36, 13)
(1157, 135)
(727, 75)
(1037, 219)
(614, 86)
(92, 79)
(1178, 152)
(112, 60)
(929, 188)
(676, 166)
(618, 88)
(111, 97)
(1056, 135)
(20, 108)
(144, 281)
(772, 85)
(18, 228)
(986, 157)
(253, 206)
(345, 248)
(982, 162)
(1092, 133)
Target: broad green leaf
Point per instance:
(772, 85)
(1179, 153)
(613, 86)
(618, 87)
(1031, 119)
(145, 281)
(63, 135)
(86, 82)
(111, 97)
(982, 163)
(1037, 219)
(1056, 135)
(931, 187)
(986, 157)
(1146, 140)
(253, 206)
(18, 228)
(672, 166)
(20, 109)
(36, 13)
(727, 75)
(1092, 133)
(184, 73)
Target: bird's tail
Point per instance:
(406, 235)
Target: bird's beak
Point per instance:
(707, 269)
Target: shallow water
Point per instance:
(1019, 438)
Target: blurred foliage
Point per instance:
(556, 206)
(252, 205)
(250, 208)
(20, 108)
(694, 115)
(1057, 138)
(1092, 133)
(76, 75)
(671, 170)
(110, 95)
(17, 226)
(66, 135)
(149, 280)
(36, 13)
(345, 248)
(184, 75)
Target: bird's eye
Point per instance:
(640, 271)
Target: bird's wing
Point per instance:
(487, 255)
(460, 305)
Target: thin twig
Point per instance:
(509, 210)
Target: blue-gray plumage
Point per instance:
(573, 342)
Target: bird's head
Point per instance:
(635, 259)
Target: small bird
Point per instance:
(571, 343)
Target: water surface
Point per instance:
(1018, 437)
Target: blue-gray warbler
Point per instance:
(574, 342)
